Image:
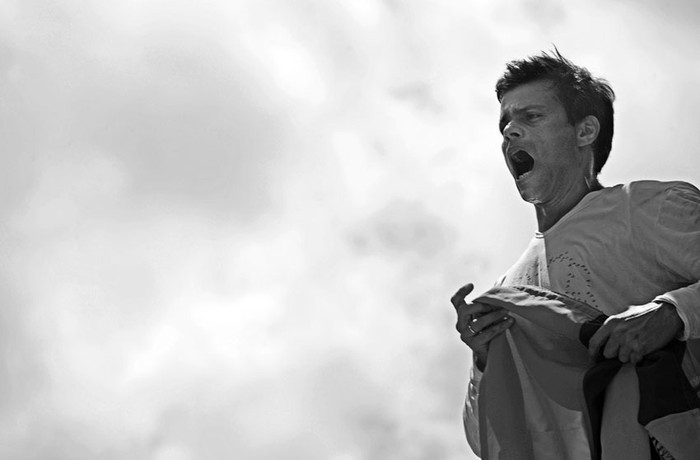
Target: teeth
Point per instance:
(524, 175)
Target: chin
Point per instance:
(531, 196)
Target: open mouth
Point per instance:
(522, 163)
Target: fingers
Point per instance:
(599, 340)
(628, 355)
(484, 335)
(470, 326)
(603, 344)
(489, 319)
(622, 353)
(625, 352)
(612, 349)
(471, 311)
(478, 323)
(472, 318)
(635, 357)
(464, 308)
(459, 296)
(611, 342)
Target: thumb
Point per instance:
(461, 293)
(598, 341)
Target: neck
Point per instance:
(549, 214)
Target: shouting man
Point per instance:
(630, 252)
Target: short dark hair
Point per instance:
(580, 93)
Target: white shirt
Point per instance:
(620, 246)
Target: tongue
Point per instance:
(522, 162)
(521, 156)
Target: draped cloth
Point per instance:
(541, 395)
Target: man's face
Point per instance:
(539, 144)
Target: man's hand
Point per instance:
(478, 323)
(632, 334)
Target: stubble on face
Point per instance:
(539, 143)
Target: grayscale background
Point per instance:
(231, 229)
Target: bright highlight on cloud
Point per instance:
(232, 230)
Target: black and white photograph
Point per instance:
(349, 230)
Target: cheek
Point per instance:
(562, 149)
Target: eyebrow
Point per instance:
(520, 110)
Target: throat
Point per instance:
(547, 218)
(548, 214)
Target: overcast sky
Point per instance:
(231, 229)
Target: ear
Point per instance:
(587, 130)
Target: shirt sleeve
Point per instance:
(678, 249)
(470, 415)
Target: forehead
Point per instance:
(536, 93)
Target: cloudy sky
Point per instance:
(230, 229)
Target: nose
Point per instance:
(512, 131)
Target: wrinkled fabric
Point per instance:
(620, 246)
(542, 395)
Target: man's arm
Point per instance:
(678, 251)
(687, 303)
(675, 238)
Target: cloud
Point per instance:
(233, 229)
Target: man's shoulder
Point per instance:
(645, 191)
(639, 199)
(648, 202)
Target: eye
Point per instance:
(533, 116)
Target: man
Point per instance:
(631, 251)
